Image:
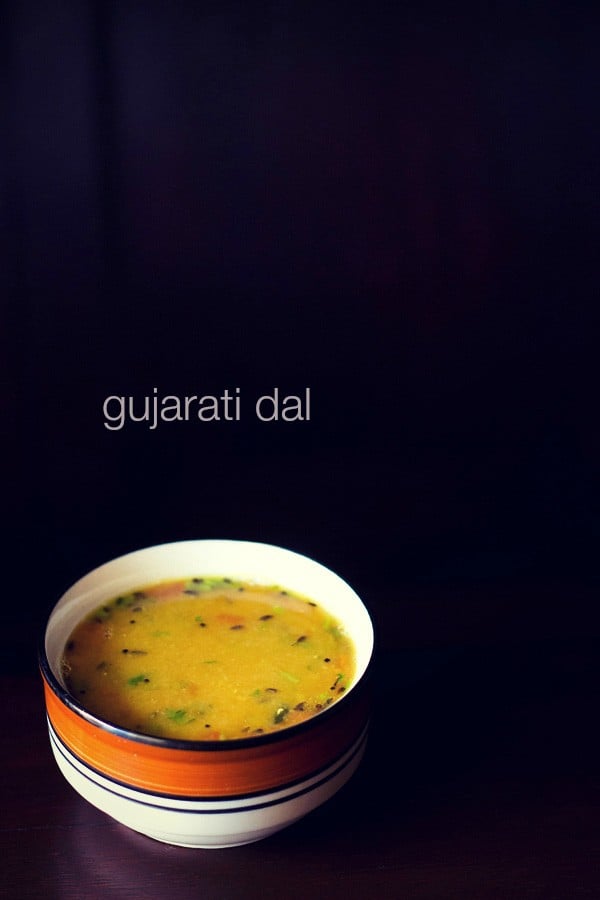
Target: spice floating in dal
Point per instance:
(208, 659)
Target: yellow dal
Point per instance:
(208, 659)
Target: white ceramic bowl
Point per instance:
(208, 793)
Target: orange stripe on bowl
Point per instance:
(211, 773)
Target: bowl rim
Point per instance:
(252, 741)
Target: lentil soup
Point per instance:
(208, 659)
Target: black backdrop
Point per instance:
(392, 204)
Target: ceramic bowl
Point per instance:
(208, 793)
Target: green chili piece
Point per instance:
(281, 714)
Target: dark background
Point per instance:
(394, 204)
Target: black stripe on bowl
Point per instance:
(88, 773)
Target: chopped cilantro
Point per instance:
(138, 679)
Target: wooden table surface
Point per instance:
(481, 778)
